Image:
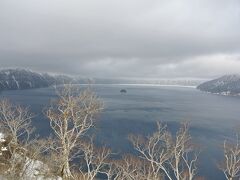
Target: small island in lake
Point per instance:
(123, 91)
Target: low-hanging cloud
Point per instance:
(128, 38)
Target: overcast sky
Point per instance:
(122, 38)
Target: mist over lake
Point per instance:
(213, 117)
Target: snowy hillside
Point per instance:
(225, 85)
(12, 79)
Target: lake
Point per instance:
(213, 117)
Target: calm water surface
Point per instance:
(213, 118)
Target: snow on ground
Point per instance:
(33, 169)
(13, 77)
(2, 137)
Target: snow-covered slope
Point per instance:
(12, 79)
(225, 85)
(33, 169)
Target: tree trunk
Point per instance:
(66, 173)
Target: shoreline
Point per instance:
(152, 85)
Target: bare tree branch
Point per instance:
(71, 116)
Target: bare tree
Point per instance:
(184, 159)
(16, 121)
(155, 149)
(71, 116)
(231, 164)
(16, 124)
(131, 167)
(95, 160)
(167, 155)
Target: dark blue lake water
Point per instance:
(213, 118)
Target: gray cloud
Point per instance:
(128, 38)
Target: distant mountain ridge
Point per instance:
(13, 79)
(175, 82)
(225, 85)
